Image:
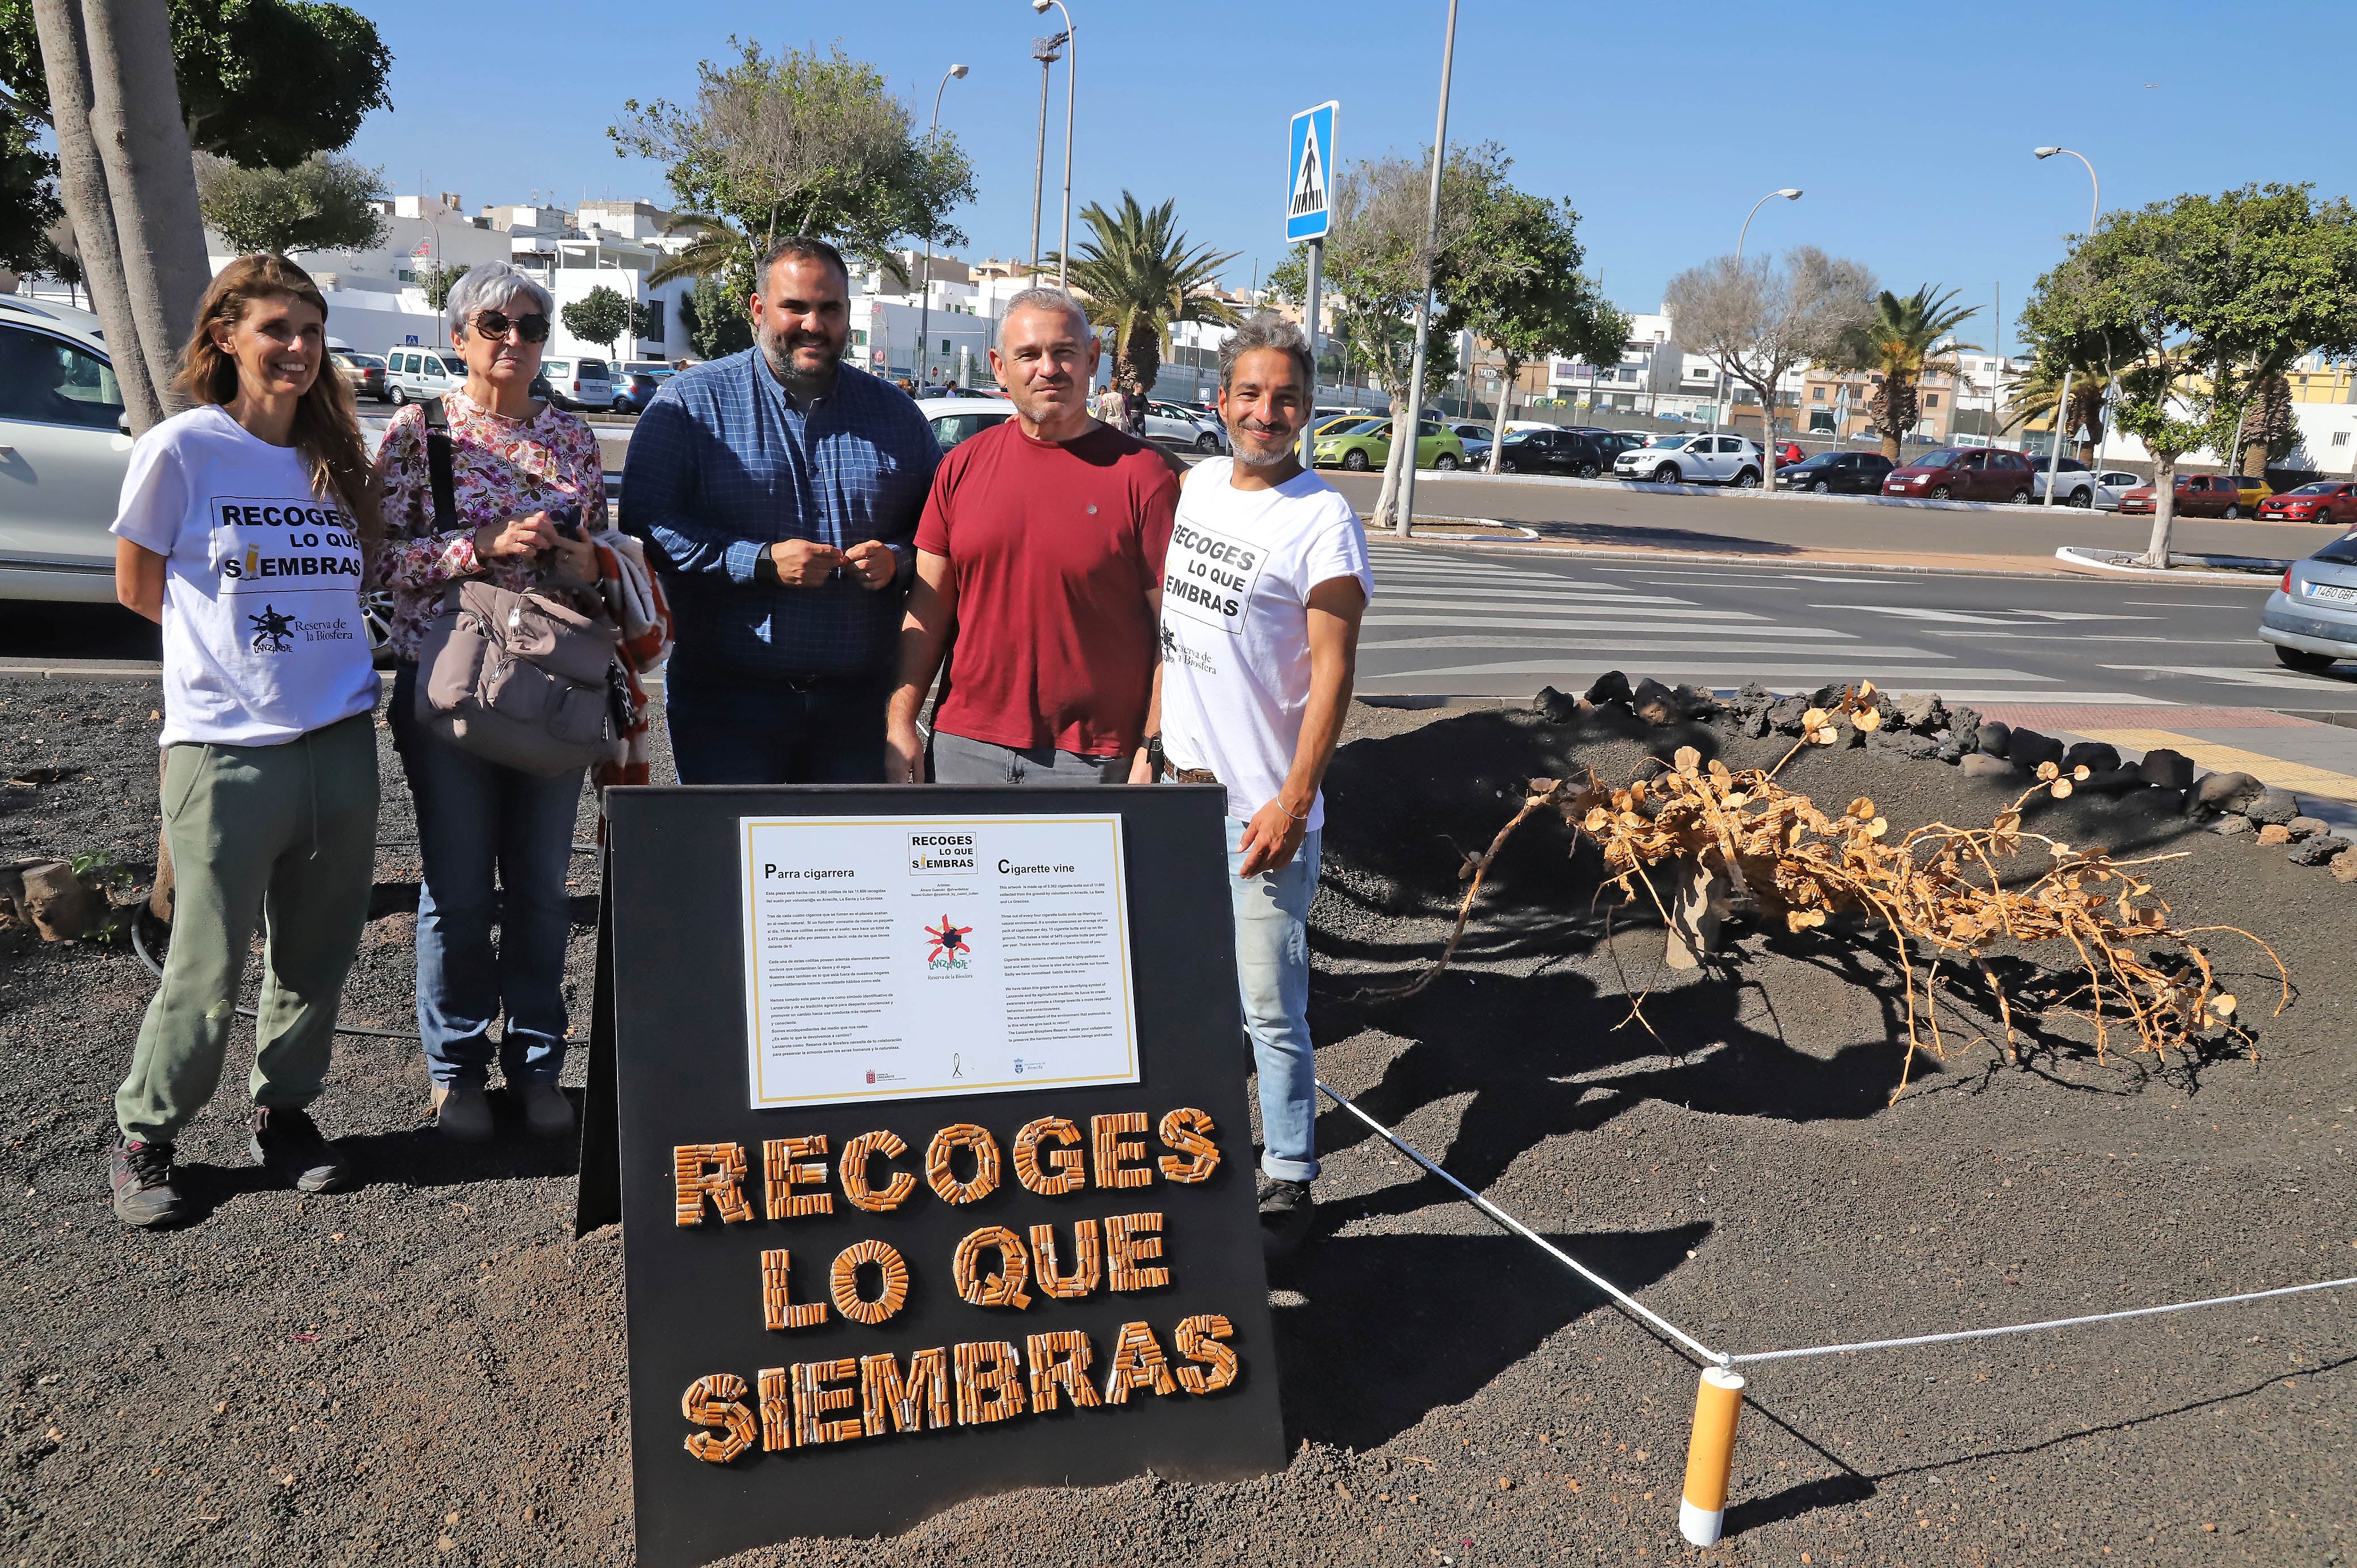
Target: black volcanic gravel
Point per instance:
(429, 1370)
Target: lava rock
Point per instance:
(2319, 851)
(2307, 827)
(1555, 706)
(2029, 750)
(1981, 765)
(1755, 723)
(1827, 695)
(2093, 755)
(1754, 698)
(2273, 806)
(1785, 715)
(1921, 711)
(2169, 769)
(1693, 703)
(1847, 735)
(1995, 737)
(2343, 866)
(1610, 687)
(2227, 791)
(1921, 747)
(2159, 802)
(1654, 702)
(2230, 825)
(2275, 833)
(2112, 780)
(1964, 724)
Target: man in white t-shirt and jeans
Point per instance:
(1263, 588)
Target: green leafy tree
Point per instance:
(1137, 275)
(1909, 337)
(1523, 294)
(601, 315)
(2091, 362)
(2208, 295)
(716, 323)
(320, 204)
(802, 143)
(435, 282)
(28, 197)
(263, 82)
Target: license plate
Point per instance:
(2333, 591)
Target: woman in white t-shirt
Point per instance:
(243, 529)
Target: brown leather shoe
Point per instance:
(462, 1114)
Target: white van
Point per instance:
(580, 384)
(413, 375)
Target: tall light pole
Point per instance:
(2063, 408)
(925, 282)
(1046, 51)
(1071, 89)
(1406, 522)
(1768, 421)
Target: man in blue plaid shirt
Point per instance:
(778, 490)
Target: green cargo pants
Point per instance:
(285, 835)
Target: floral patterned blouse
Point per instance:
(500, 468)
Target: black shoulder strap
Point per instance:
(437, 460)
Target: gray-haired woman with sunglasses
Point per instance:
(496, 842)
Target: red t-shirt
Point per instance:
(1053, 549)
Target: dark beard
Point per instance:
(778, 356)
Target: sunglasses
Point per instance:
(495, 325)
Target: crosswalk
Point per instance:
(1443, 622)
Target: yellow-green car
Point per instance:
(1368, 444)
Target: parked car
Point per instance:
(956, 419)
(2311, 618)
(582, 385)
(1475, 439)
(1836, 473)
(1693, 460)
(1368, 444)
(2326, 500)
(1578, 454)
(2075, 484)
(412, 375)
(2229, 496)
(1179, 425)
(1962, 474)
(661, 370)
(1790, 452)
(64, 444)
(1335, 424)
(364, 373)
(1614, 442)
(633, 390)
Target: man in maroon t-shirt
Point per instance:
(1041, 550)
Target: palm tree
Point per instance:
(1136, 277)
(2034, 395)
(717, 245)
(1903, 341)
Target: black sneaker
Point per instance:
(288, 1145)
(1285, 1211)
(141, 1175)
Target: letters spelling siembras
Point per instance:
(972, 1384)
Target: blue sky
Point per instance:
(1909, 127)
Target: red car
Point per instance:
(2202, 495)
(1964, 473)
(2327, 500)
(1790, 453)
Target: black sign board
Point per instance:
(1068, 1288)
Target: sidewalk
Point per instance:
(2317, 762)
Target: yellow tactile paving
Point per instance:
(2299, 778)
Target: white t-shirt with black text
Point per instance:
(1235, 624)
(263, 635)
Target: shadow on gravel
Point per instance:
(1395, 1327)
(420, 1157)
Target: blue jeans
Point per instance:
(738, 729)
(496, 844)
(1273, 971)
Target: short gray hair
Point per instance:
(1269, 330)
(493, 286)
(1044, 299)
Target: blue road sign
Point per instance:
(1308, 187)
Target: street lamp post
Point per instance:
(1071, 89)
(2063, 408)
(1423, 303)
(925, 282)
(1729, 399)
(1046, 51)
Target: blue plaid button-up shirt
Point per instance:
(724, 463)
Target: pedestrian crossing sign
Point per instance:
(1308, 189)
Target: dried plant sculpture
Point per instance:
(1939, 888)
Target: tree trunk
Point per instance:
(65, 62)
(2164, 507)
(1513, 367)
(134, 119)
(1767, 438)
(1387, 498)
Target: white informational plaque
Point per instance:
(896, 958)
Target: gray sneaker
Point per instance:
(462, 1114)
(142, 1176)
(547, 1113)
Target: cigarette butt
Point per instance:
(1710, 1456)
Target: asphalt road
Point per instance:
(1605, 514)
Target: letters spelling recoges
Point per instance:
(798, 1405)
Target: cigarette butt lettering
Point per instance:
(1115, 1154)
(786, 1163)
(714, 1171)
(714, 1402)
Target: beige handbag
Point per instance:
(520, 679)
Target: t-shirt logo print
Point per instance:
(270, 630)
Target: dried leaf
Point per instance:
(2062, 789)
(1687, 759)
(2048, 772)
(1867, 718)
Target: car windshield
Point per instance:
(453, 367)
(2322, 488)
(1943, 459)
(2342, 552)
(1669, 442)
(1364, 427)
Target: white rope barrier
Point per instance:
(1627, 1302)
(2033, 1327)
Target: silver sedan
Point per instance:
(2311, 618)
